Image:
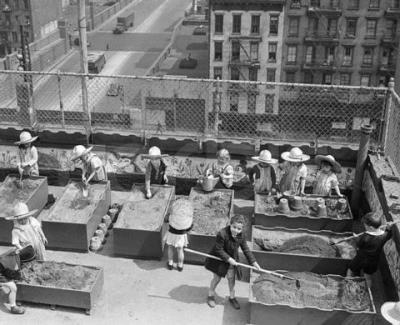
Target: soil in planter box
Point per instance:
(73, 207)
(317, 291)
(211, 212)
(10, 193)
(59, 275)
(269, 204)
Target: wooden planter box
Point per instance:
(72, 220)
(138, 230)
(300, 262)
(35, 198)
(266, 214)
(285, 314)
(54, 296)
(200, 241)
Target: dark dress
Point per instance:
(157, 176)
(270, 181)
(369, 248)
(225, 247)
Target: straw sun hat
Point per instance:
(154, 153)
(265, 157)
(25, 137)
(295, 155)
(391, 312)
(21, 211)
(337, 168)
(80, 151)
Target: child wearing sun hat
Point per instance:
(262, 175)
(155, 169)
(27, 155)
(326, 179)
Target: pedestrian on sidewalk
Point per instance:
(180, 223)
(27, 155)
(226, 247)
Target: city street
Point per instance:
(130, 53)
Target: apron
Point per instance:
(289, 180)
(323, 185)
(26, 155)
(264, 183)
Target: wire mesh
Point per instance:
(392, 137)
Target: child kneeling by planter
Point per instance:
(227, 248)
(369, 246)
(180, 223)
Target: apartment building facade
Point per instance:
(345, 42)
(245, 41)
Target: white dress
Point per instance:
(30, 234)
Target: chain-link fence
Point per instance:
(194, 108)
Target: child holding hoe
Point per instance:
(226, 247)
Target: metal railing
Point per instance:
(195, 108)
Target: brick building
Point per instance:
(348, 42)
(38, 16)
(245, 40)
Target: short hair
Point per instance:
(372, 219)
(237, 218)
(223, 153)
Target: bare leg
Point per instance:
(170, 255)
(231, 284)
(213, 285)
(10, 288)
(181, 256)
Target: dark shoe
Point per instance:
(234, 303)
(17, 310)
(211, 301)
(180, 268)
(170, 266)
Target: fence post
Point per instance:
(61, 101)
(174, 108)
(387, 113)
(143, 107)
(217, 106)
(361, 160)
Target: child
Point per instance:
(180, 223)
(369, 246)
(223, 169)
(27, 231)
(92, 166)
(227, 248)
(326, 179)
(8, 286)
(263, 175)
(27, 155)
(155, 169)
(391, 312)
(294, 171)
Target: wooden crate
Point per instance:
(266, 215)
(275, 260)
(63, 297)
(138, 230)
(285, 314)
(204, 242)
(35, 198)
(72, 220)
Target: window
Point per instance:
(272, 47)
(365, 80)
(290, 77)
(237, 24)
(251, 103)
(308, 77)
(26, 4)
(368, 56)
(295, 4)
(348, 56)
(291, 54)
(395, 4)
(345, 79)
(254, 51)
(327, 79)
(235, 74)
(315, 3)
(374, 4)
(234, 102)
(329, 54)
(273, 25)
(293, 26)
(332, 27)
(15, 37)
(217, 73)
(217, 51)
(271, 75)
(253, 74)
(353, 4)
(310, 54)
(371, 28)
(235, 51)
(333, 4)
(269, 103)
(391, 27)
(255, 24)
(351, 27)
(387, 56)
(219, 24)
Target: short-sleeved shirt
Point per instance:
(292, 176)
(29, 234)
(30, 156)
(324, 183)
(226, 170)
(94, 163)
